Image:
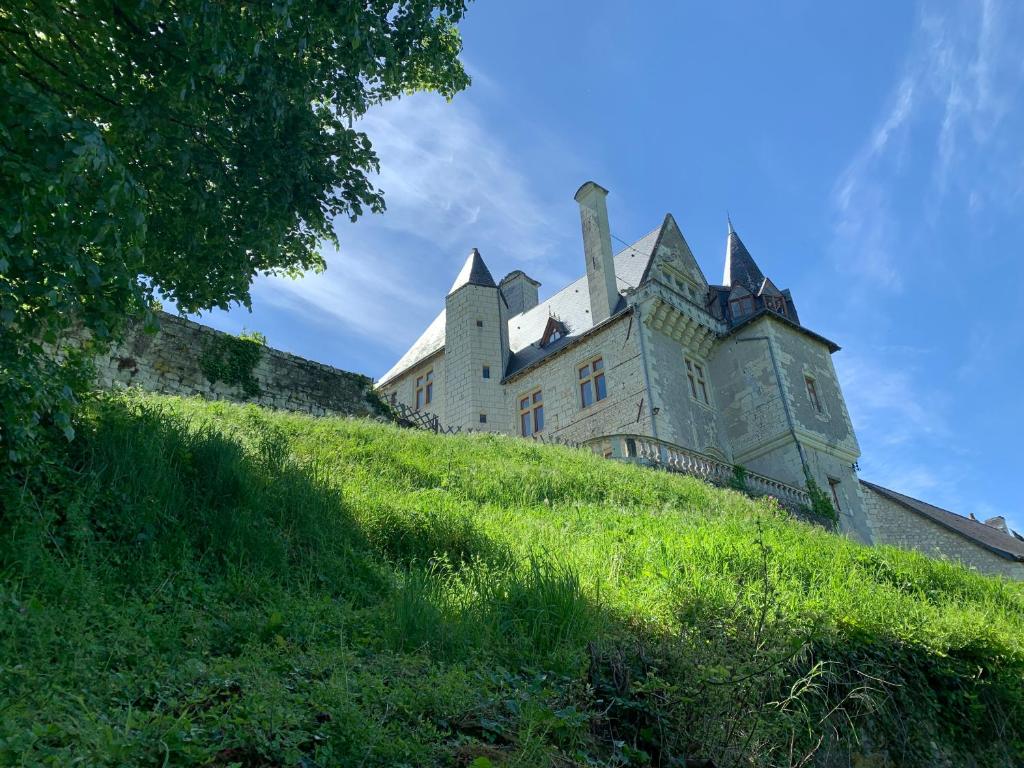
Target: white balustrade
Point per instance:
(675, 458)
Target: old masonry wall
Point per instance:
(186, 358)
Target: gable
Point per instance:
(768, 288)
(554, 331)
(672, 254)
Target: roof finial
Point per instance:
(728, 221)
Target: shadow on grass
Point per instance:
(735, 683)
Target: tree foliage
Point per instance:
(184, 147)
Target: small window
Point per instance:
(531, 413)
(698, 384)
(741, 307)
(479, 323)
(487, 371)
(424, 389)
(483, 418)
(776, 304)
(833, 485)
(553, 331)
(592, 383)
(812, 393)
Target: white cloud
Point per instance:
(889, 403)
(450, 186)
(958, 82)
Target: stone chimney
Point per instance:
(597, 249)
(520, 292)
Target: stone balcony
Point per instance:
(649, 451)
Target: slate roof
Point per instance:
(740, 267)
(571, 306)
(1005, 545)
(832, 346)
(474, 272)
(429, 342)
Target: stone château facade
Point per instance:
(643, 358)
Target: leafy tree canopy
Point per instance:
(183, 146)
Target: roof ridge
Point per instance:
(900, 498)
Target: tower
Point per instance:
(476, 350)
(786, 416)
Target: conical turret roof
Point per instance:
(740, 267)
(474, 272)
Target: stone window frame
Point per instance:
(423, 390)
(833, 485)
(595, 378)
(531, 412)
(697, 378)
(813, 392)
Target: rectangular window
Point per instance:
(698, 384)
(812, 393)
(531, 413)
(424, 389)
(741, 307)
(833, 485)
(487, 371)
(592, 383)
(479, 323)
(483, 418)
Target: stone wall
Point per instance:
(625, 409)
(182, 356)
(897, 526)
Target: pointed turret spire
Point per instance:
(740, 267)
(474, 272)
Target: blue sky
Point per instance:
(871, 156)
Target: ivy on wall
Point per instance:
(232, 360)
(821, 504)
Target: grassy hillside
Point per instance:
(220, 585)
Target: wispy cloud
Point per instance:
(949, 104)
(450, 185)
(946, 144)
(899, 421)
(889, 403)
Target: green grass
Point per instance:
(198, 583)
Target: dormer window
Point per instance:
(553, 331)
(741, 306)
(776, 304)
